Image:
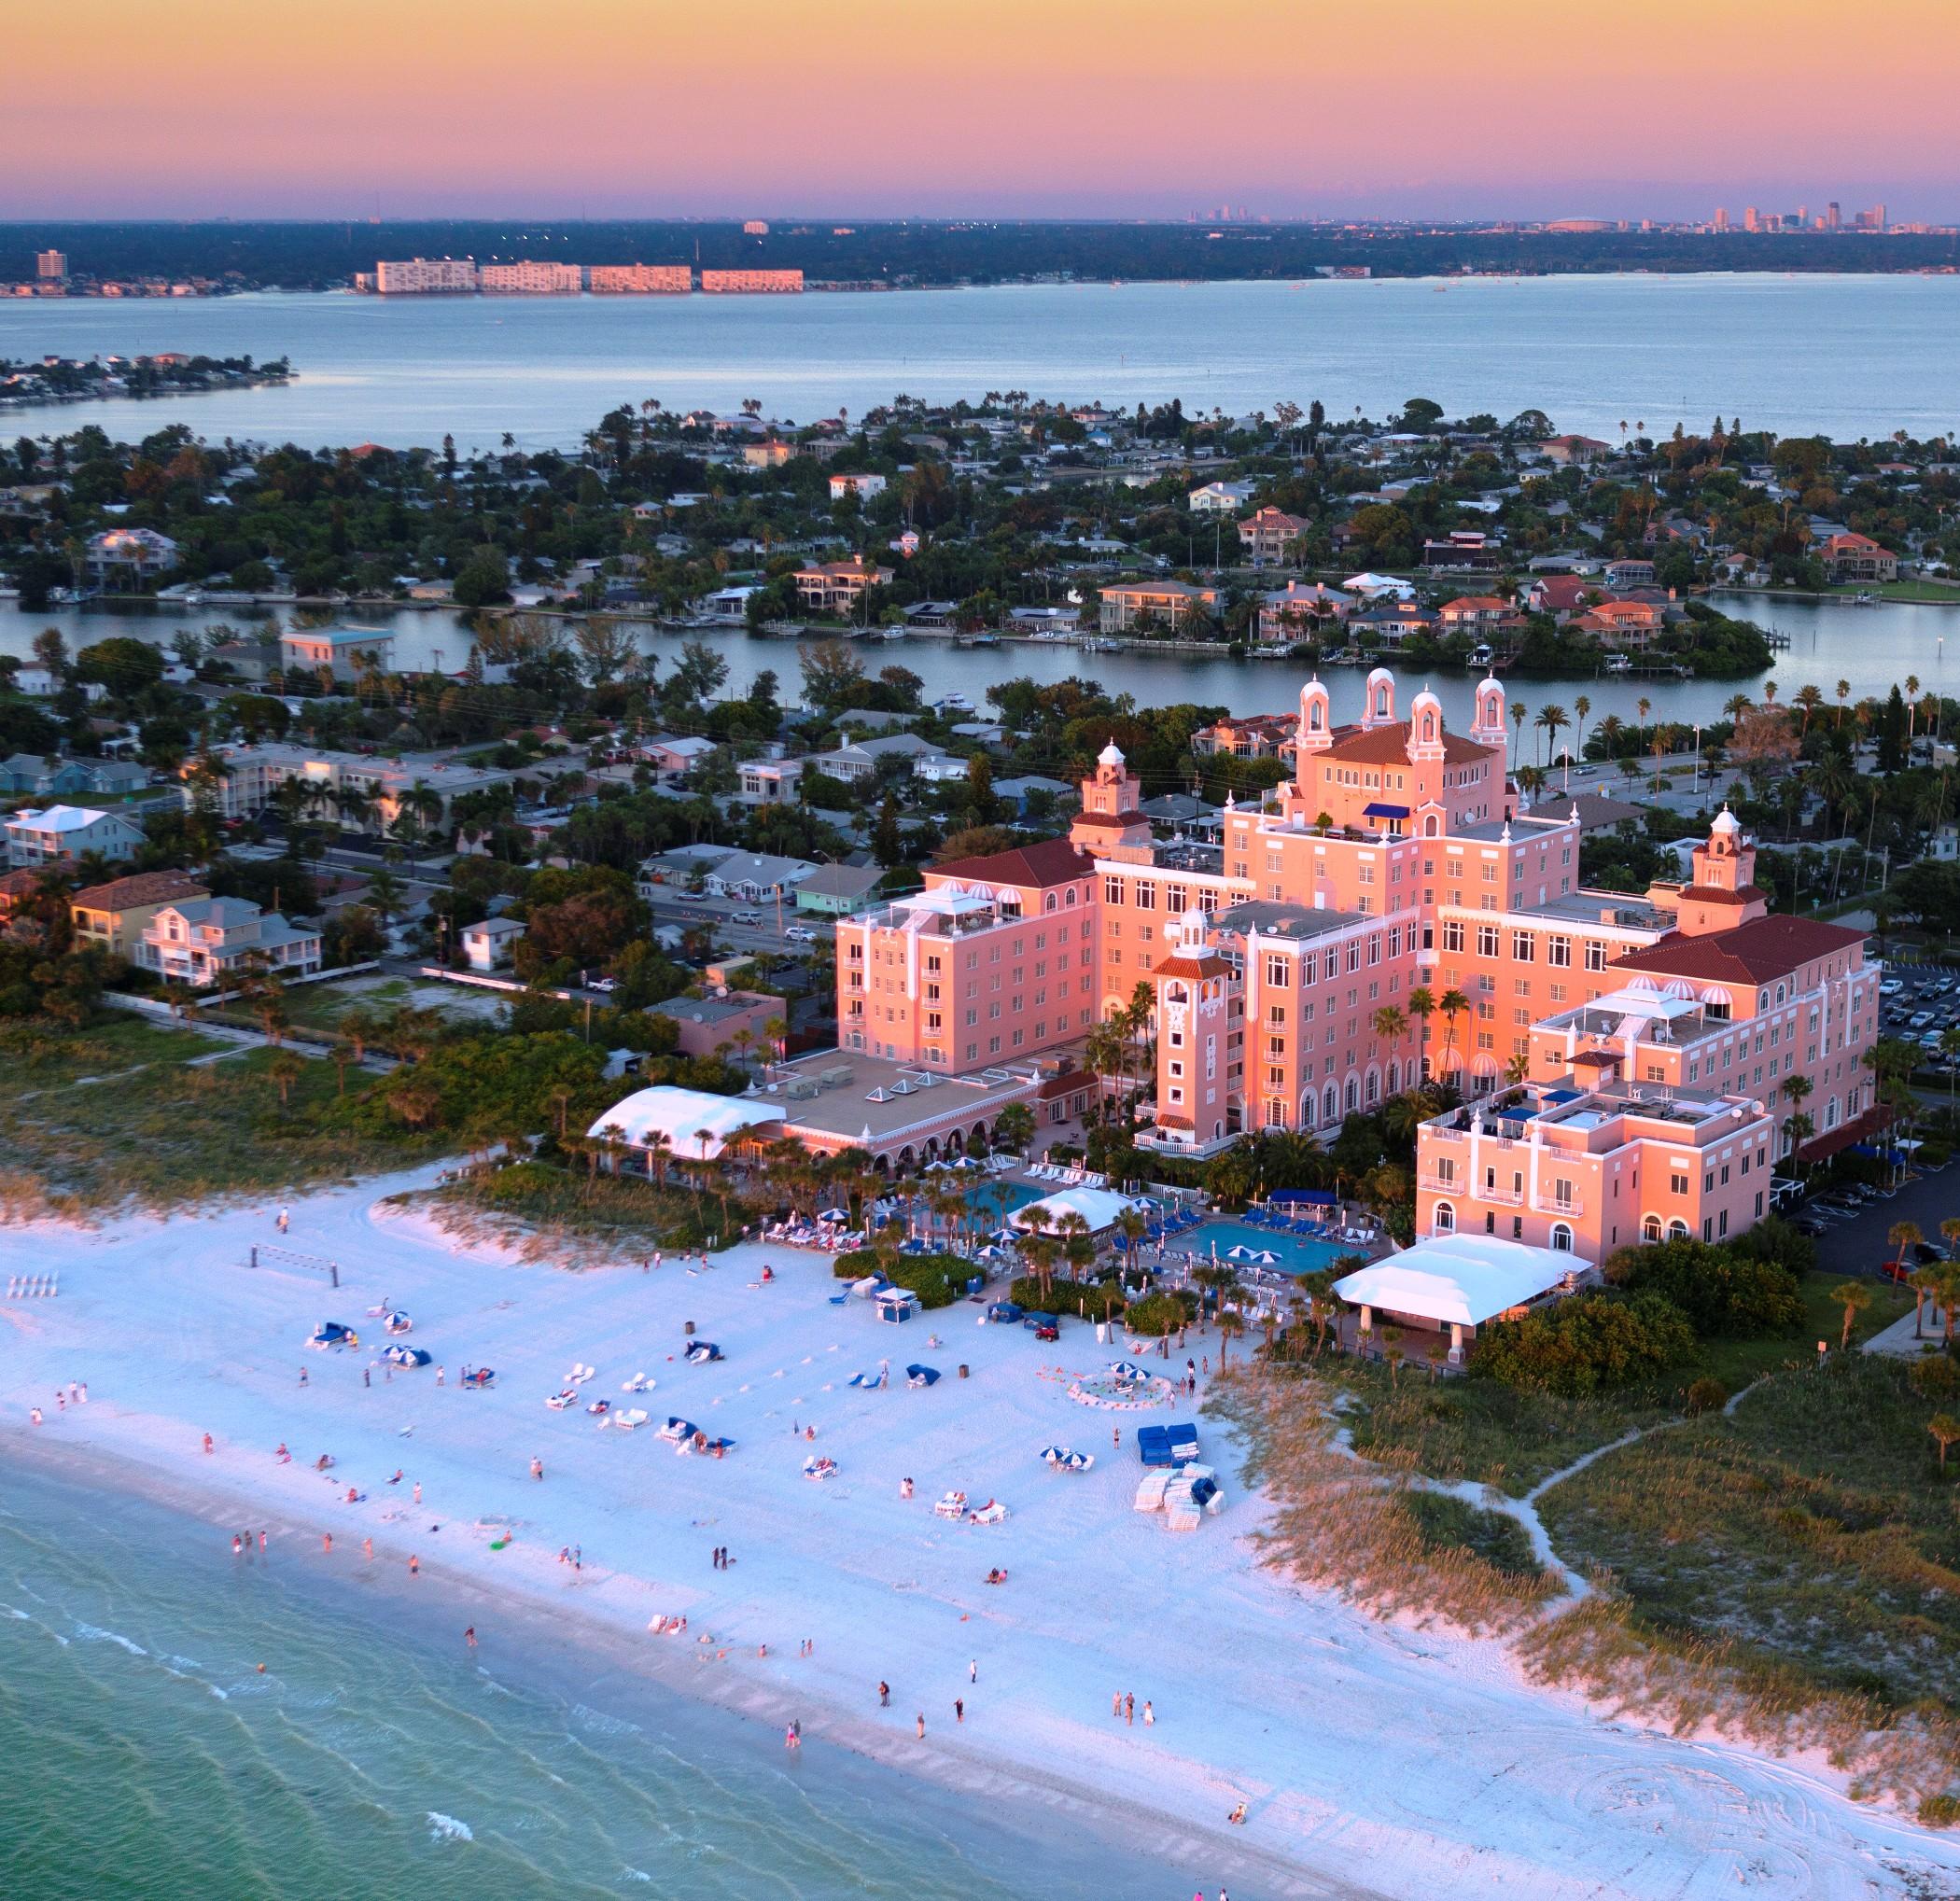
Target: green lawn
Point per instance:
(34, 1057)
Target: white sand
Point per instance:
(1374, 1759)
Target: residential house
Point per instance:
(1293, 612)
(859, 758)
(837, 890)
(1629, 572)
(488, 946)
(58, 834)
(836, 587)
(940, 769)
(1254, 736)
(671, 757)
(1477, 614)
(1465, 550)
(771, 781)
(129, 556)
(53, 778)
(1560, 596)
(1858, 557)
(1128, 605)
(208, 941)
(863, 486)
(1268, 535)
(1029, 792)
(1220, 498)
(727, 606)
(1389, 623)
(1574, 451)
(115, 917)
(346, 651)
(1622, 624)
(757, 879)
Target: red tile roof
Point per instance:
(1756, 952)
(1389, 746)
(144, 888)
(1053, 861)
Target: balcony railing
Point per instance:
(1550, 1203)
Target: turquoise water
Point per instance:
(1297, 1256)
(998, 1200)
(375, 1756)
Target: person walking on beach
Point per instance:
(921, 1719)
(1149, 1717)
(414, 1565)
(536, 1467)
(261, 1543)
(367, 1548)
(959, 1710)
(884, 1695)
(972, 1670)
(1130, 1709)
(470, 1637)
(302, 1375)
(327, 1543)
(439, 1376)
(367, 1375)
(285, 1221)
(237, 1545)
(418, 1491)
(207, 1442)
(34, 1414)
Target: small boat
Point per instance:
(1478, 656)
(952, 703)
(1864, 599)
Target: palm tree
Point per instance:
(1810, 698)
(1519, 713)
(340, 1055)
(1391, 1025)
(1452, 1004)
(1076, 1243)
(1422, 1001)
(1131, 1226)
(1903, 1235)
(1924, 1284)
(1550, 719)
(1231, 1323)
(1843, 694)
(1643, 706)
(1580, 707)
(1390, 1339)
(1945, 1430)
(1854, 1296)
(285, 1069)
(1038, 1251)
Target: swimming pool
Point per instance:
(997, 1199)
(1298, 1254)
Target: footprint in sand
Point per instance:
(741, 1388)
(829, 1387)
(806, 1359)
(777, 1374)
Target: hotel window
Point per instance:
(1176, 899)
(1524, 946)
(1452, 934)
(1278, 971)
(1365, 875)
(1487, 938)
(1146, 897)
(1677, 1184)
(1489, 874)
(1275, 1078)
(1595, 956)
(1112, 890)
(1558, 953)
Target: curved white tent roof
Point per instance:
(1098, 1207)
(685, 1115)
(1460, 1278)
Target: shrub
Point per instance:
(1581, 1345)
(938, 1280)
(1159, 1313)
(1721, 1290)
(1935, 1156)
(1938, 1812)
(1935, 1376)
(1096, 1298)
(1706, 1395)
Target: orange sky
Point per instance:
(1538, 108)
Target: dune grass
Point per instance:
(1513, 1439)
(548, 1212)
(172, 1134)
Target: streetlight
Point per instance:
(1695, 783)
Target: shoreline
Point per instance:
(568, 1653)
(1377, 1757)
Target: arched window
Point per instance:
(1314, 721)
(1429, 726)
(1444, 1220)
(1070, 900)
(1429, 826)
(1561, 1239)
(1382, 702)
(1677, 1229)
(1048, 902)
(1353, 1095)
(1650, 1229)
(1330, 1104)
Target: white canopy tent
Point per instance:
(1098, 1207)
(1457, 1280)
(685, 1116)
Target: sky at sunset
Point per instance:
(1038, 107)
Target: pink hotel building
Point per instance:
(1656, 1036)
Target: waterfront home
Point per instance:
(1128, 605)
(129, 556)
(1622, 624)
(1468, 550)
(859, 760)
(58, 834)
(1252, 735)
(345, 650)
(1290, 613)
(836, 587)
(671, 757)
(1858, 557)
(1220, 498)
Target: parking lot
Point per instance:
(1853, 1243)
(1919, 1003)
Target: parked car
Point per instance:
(800, 934)
(604, 986)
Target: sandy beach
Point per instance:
(1372, 1758)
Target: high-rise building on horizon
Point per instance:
(50, 267)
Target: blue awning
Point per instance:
(1385, 812)
(1319, 1196)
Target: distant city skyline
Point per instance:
(1047, 108)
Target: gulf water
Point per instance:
(143, 1754)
